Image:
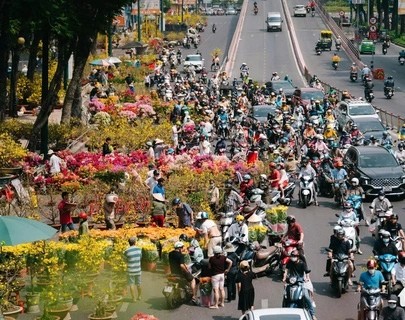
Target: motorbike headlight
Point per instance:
(293, 280)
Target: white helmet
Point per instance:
(355, 181)
(178, 245)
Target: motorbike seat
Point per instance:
(175, 278)
(264, 253)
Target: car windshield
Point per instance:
(370, 126)
(276, 85)
(377, 160)
(273, 19)
(261, 112)
(281, 317)
(308, 95)
(193, 58)
(361, 110)
(299, 6)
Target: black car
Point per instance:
(370, 126)
(275, 86)
(261, 112)
(376, 168)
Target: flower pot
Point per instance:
(50, 317)
(68, 303)
(150, 266)
(59, 311)
(166, 269)
(94, 317)
(32, 300)
(13, 311)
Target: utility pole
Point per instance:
(139, 21)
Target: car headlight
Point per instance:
(403, 179)
(365, 180)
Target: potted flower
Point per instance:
(150, 254)
(167, 247)
(257, 233)
(277, 217)
(205, 291)
(143, 316)
(11, 153)
(101, 312)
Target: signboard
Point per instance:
(373, 28)
(147, 7)
(342, 13)
(373, 20)
(401, 7)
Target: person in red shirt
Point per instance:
(246, 186)
(274, 176)
(65, 208)
(295, 232)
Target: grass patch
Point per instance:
(336, 6)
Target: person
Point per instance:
(83, 224)
(295, 232)
(338, 41)
(152, 181)
(384, 245)
(398, 274)
(178, 267)
(335, 58)
(380, 204)
(211, 233)
(159, 209)
(214, 28)
(348, 214)
(400, 153)
(392, 311)
(176, 130)
(353, 68)
(65, 209)
(245, 288)
(386, 139)
(368, 87)
(107, 147)
(244, 69)
(307, 170)
(159, 188)
(213, 193)
(275, 77)
(394, 228)
(109, 210)
(365, 72)
(297, 268)
(389, 83)
(233, 271)
(55, 163)
(356, 189)
(339, 176)
(133, 256)
(233, 201)
(219, 266)
(370, 279)
(401, 54)
(239, 229)
(215, 61)
(338, 244)
(184, 213)
(129, 79)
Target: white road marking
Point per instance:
(124, 307)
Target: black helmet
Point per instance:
(381, 193)
(183, 237)
(290, 219)
(176, 201)
(389, 77)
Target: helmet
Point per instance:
(204, 215)
(217, 250)
(354, 63)
(337, 228)
(274, 73)
(389, 78)
(263, 176)
(244, 64)
(247, 177)
(176, 201)
(178, 245)
(295, 253)
(347, 205)
(384, 233)
(340, 232)
(283, 141)
(290, 219)
(371, 264)
(83, 215)
(272, 165)
(355, 181)
(381, 193)
(194, 243)
(239, 218)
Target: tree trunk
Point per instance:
(77, 104)
(385, 8)
(402, 28)
(395, 21)
(4, 54)
(82, 52)
(379, 17)
(33, 53)
(12, 103)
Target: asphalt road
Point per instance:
(308, 31)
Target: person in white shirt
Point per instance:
(205, 146)
(176, 129)
(211, 233)
(151, 182)
(55, 162)
(398, 274)
(239, 229)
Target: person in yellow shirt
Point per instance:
(335, 58)
(329, 116)
(330, 132)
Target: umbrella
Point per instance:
(100, 62)
(16, 230)
(113, 60)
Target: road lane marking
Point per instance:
(124, 307)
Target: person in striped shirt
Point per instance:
(133, 255)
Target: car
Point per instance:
(275, 86)
(220, 12)
(260, 112)
(230, 11)
(354, 109)
(209, 11)
(367, 46)
(370, 126)
(304, 95)
(194, 59)
(300, 11)
(377, 169)
(277, 314)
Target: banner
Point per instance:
(401, 7)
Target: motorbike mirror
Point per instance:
(242, 235)
(337, 215)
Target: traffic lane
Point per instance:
(308, 32)
(265, 52)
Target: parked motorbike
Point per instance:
(389, 92)
(387, 263)
(306, 191)
(340, 273)
(353, 76)
(177, 290)
(372, 302)
(335, 65)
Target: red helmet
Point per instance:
(371, 264)
(272, 165)
(401, 255)
(339, 163)
(83, 215)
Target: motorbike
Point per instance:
(384, 50)
(340, 275)
(177, 290)
(353, 76)
(372, 302)
(223, 130)
(378, 219)
(401, 60)
(318, 51)
(308, 8)
(255, 11)
(294, 293)
(338, 46)
(226, 220)
(214, 29)
(335, 64)
(370, 95)
(313, 12)
(288, 246)
(306, 191)
(398, 242)
(356, 202)
(387, 263)
(244, 74)
(348, 225)
(389, 92)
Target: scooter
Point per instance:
(340, 275)
(384, 50)
(398, 242)
(387, 263)
(348, 226)
(318, 51)
(223, 130)
(306, 195)
(288, 246)
(177, 290)
(370, 95)
(294, 293)
(401, 60)
(372, 301)
(226, 220)
(338, 46)
(389, 92)
(353, 76)
(255, 11)
(335, 65)
(313, 12)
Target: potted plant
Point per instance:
(150, 254)
(257, 233)
(100, 312)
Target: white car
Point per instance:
(277, 314)
(300, 11)
(352, 110)
(194, 59)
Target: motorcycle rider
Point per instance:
(297, 268)
(335, 58)
(384, 245)
(350, 214)
(380, 204)
(385, 45)
(275, 77)
(338, 244)
(365, 72)
(400, 153)
(246, 186)
(392, 311)
(338, 42)
(179, 267)
(354, 68)
(295, 232)
(398, 274)
(220, 146)
(307, 170)
(394, 228)
(401, 54)
(356, 189)
(215, 61)
(244, 70)
(214, 28)
(339, 176)
(389, 83)
(370, 279)
(386, 139)
(368, 87)
(239, 229)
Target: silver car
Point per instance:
(277, 314)
(300, 11)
